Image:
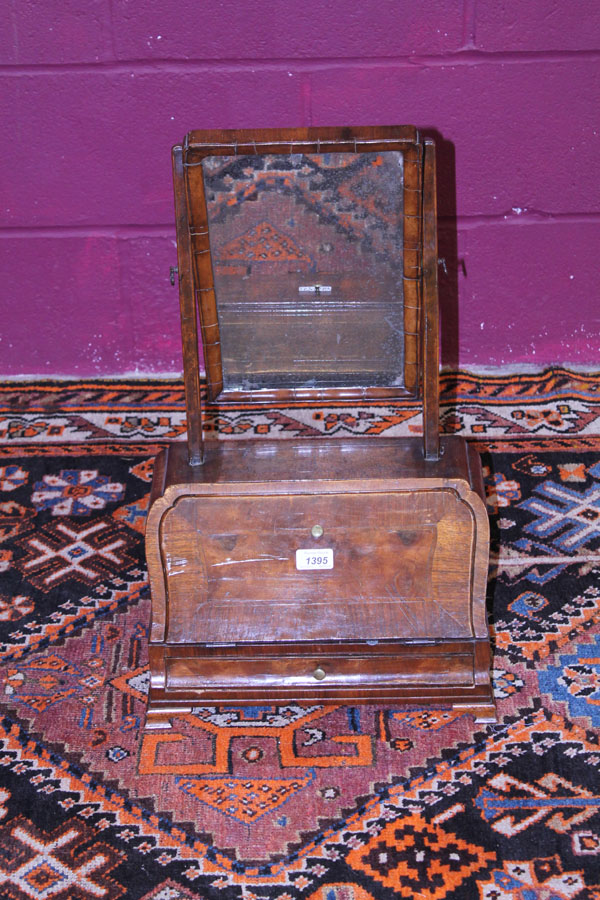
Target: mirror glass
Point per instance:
(308, 266)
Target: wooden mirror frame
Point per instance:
(198, 302)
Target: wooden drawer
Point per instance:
(305, 672)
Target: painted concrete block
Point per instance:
(277, 29)
(38, 32)
(94, 148)
(62, 307)
(99, 306)
(524, 135)
(530, 294)
(152, 301)
(512, 25)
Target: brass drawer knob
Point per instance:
(319, 673)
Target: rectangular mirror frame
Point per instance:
(198, 301)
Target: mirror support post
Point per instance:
(189, 315)
(431, 402)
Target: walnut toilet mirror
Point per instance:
(314, 570)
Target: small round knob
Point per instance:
(319, 673)
(317, 531)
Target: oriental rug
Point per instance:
(295, 802)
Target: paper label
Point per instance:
(314, 559)
(315, 288)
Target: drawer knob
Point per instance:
(319, 673)
(317, 531)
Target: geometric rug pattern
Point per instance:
(299, 801)
(554, 402)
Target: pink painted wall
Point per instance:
(93, 93)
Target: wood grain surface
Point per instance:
(390, 606)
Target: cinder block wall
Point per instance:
(93, 94)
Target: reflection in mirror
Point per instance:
(308, 265)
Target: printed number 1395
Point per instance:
(314, 559)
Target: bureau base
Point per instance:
(318, 571)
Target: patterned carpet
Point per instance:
(309, 803)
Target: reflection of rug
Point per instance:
(291, 802)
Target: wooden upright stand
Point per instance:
(314, 570)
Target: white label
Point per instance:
(314, 559)
(315, 288)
